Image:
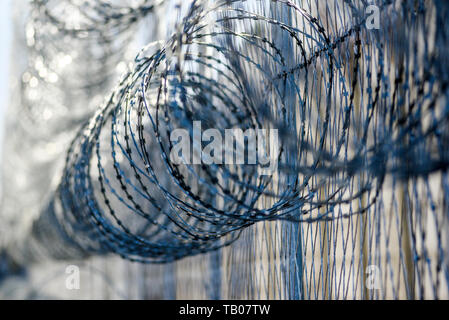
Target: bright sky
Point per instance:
(5, 44)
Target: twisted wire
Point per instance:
(362, 120)
(202, 73)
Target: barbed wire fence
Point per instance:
(356, 207)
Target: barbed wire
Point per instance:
(358, 112)
(203, 73)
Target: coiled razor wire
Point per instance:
(65, 77)
(81, 18)
(360, 113)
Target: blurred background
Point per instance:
(371, 223)
(5, 55)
